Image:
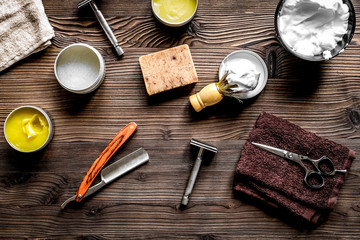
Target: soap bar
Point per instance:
(168, 69)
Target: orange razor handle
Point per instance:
(100, 162)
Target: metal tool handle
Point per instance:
(91, 191)
(105, 26)
(314, 179)
(326, 166)
(192, 178)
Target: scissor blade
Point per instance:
(274, 150)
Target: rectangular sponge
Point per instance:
(168, 69)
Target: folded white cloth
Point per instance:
(24, 29)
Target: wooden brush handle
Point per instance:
(100, 162)
(208, 96)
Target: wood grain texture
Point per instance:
(145, 202)
(320, 97)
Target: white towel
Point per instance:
(24, 29)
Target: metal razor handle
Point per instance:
(105, 26)
(192, 178)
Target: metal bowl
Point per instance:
(40, 111)
(173, 24)
(341, 45)
(79, 63)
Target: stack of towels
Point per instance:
(24, 29)
(278, 183)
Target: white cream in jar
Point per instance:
(313, 27)
(242, 75)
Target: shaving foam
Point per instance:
(313, 27)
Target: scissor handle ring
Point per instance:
(315, 175)
(327, 162)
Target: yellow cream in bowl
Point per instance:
(174, 11)
(26, 129)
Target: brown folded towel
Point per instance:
(279, 182)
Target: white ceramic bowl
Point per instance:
(79, 68)
(48, 119)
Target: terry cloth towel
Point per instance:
(24, 29)
(279, 183)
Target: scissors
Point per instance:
(313, 179)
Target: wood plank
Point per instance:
(148, 198)
(139, 8)
(323, 104)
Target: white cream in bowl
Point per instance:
(313, 27)
(79, 68)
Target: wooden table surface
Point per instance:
(323, 98)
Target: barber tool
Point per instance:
(115, 170)
(105, 26)
(242, 75)
(313, 179)
(196, 168)
(100, 162)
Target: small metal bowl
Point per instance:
(49, 122)
(341, 45)
(170, 24)
(79, 68)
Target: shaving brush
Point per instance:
(231, 84)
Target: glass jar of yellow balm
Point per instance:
(28, 129)
(174, 13)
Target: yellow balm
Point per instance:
(174, 11)
(27, 129)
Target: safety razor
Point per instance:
(195, 170)
(105, 26)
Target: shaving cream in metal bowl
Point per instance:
(315, 30)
